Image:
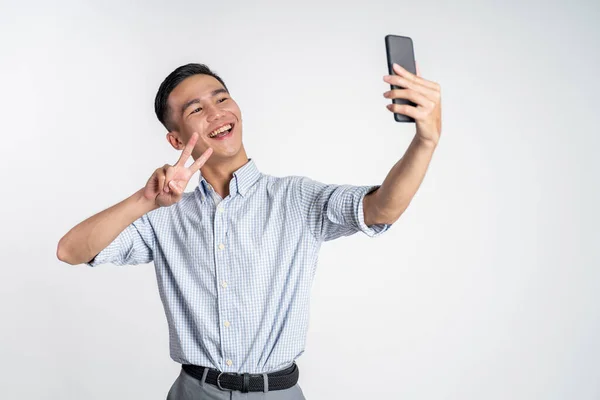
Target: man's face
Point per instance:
(201, 104)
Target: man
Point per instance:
(235, 258)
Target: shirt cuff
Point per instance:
(110, 254)
(372, 230)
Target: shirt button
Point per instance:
(221, 209)
(229, 362)
(224, 284)
(221, 246)
(227, 324)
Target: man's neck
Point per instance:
(220, 174)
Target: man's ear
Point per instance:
(174, 138)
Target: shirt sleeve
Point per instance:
(133, 246)
(332, 211)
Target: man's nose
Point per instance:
(214, 114)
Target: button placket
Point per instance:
(221, 258)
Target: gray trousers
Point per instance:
(186, 387)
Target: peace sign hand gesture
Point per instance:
(166, 185)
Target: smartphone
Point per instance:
(400, 50)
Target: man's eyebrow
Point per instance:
(197, 100)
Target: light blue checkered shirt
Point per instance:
(234, 274)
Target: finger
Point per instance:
(175, 188)
(412, 77)
(161, 181)
(406, 84)
(169, 173)
(409, 94)
(405, 109)
(187, 151)
(201, 160)
(417, 68)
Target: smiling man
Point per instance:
(235, 258)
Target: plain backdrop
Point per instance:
(486, 288)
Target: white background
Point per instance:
(486, 288)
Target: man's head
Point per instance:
(195, 99)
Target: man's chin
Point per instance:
(218, 157)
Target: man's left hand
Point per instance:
(425, 94)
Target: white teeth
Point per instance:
(221, 129)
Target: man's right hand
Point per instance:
(167, 184)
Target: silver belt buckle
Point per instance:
(219, 383)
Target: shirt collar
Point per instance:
(243, 179)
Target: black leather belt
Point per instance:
(278, 380)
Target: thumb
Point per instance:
(173, 186)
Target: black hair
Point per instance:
(175, 78)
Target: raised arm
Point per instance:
(164, 188)
(386, 204)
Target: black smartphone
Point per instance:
(400, 50)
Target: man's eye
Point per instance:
(196, 110)
(222, 100)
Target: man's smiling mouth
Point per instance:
(221, 131)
